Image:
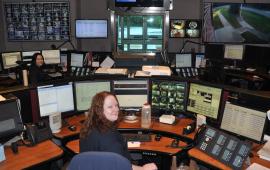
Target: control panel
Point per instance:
(224, 147)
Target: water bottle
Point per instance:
(146, 116)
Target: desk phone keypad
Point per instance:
(224, 147)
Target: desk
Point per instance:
(175, 130)
(203, 157)
(30, 156)
(158, 146)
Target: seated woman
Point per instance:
(99, 132)
(36, 73)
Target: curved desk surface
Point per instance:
(30, 156)
(162, 146)
(174, 130)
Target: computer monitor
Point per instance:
(86, 90)
(91, 28)
(168, 97)
(199, 60)
(183, 60)
(10, 119)
(234, 52)
(243, 118)
(131, 94)
(204, 100)
(9, 59)
(51, 56)
(28, 55)
(76, 59)
(54, 99)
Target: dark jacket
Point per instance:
(111, 141)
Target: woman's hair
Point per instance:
(96, 118)
(34, 58)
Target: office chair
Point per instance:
(99, 161)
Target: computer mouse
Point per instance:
(158, 137)
(175, 143)
(72, 128)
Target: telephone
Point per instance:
(38, 132)
(224, 147)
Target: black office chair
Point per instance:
(99, 161)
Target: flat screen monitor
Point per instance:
(51, 56)
(10, 119)
(236, 22)
(183, 60)
(76, 59)
(168, 97)
(204, 100)
(243, 119)
(28, 55)
(256, 56)
(53, 99)
(214, 51)
(91, 28)
(199, 60)
(185, 28)
(9, 59)
(233, 52)
(131, 93)
(86, 90)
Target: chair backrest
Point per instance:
(99, 161)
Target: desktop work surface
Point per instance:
(202, 157)
(28, 157)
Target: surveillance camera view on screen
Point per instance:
(236, 22)
(204, 100)
(180, 28)
(168, 96)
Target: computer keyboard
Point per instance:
(57, 74)
(137, 137)
(105, 70)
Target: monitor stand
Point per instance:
(55, 122)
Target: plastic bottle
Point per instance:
(146, 116)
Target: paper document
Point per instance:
(157, 70)
(140, 73)
(134, 144)
(2, 98)
(256, 166)
(264, 152)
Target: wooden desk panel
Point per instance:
(176, 129)
(159, 146)
(30, 156)
(200, 155)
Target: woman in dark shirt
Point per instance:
(99, 132)
(36, 73)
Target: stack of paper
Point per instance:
(264, 152)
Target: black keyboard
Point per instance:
(137, 137)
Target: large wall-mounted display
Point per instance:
(35, 21)
(236, 23)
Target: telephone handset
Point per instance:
(223, 147)
(38, 132)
